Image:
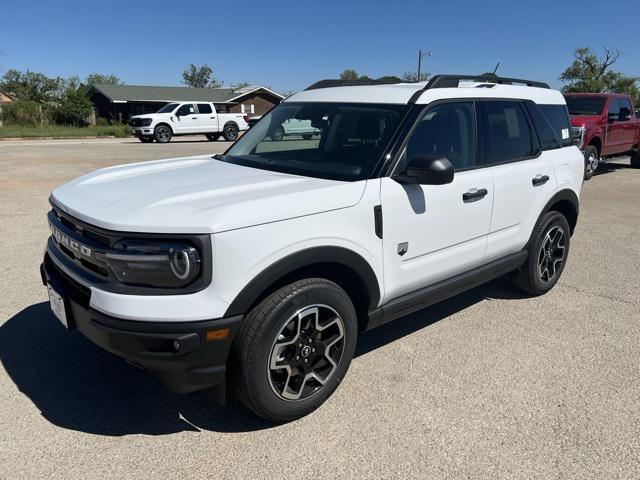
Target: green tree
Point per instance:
(102, 79)
(413, 76)
(590, 73)
(31, 86)
(199, 77)
(349, 74)
(74, 107)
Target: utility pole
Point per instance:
(420, 55)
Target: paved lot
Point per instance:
(485, 385)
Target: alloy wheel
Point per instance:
(592, 164)
(306, 352)
(552, 254)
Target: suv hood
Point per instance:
(197, 195)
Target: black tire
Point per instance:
(277, 134)
(162, 134)
(530, 277)
(635, 159)
(307, 136)
(212, 137)
(262, 339)
(591, 161)
(230, 132)
(146, 138)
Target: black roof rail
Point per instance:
(328, 83)
(453, 81)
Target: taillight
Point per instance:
(246, 118)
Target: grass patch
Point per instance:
(59, 131)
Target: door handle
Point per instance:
(194, 118)
(474, 195)
(539, 180)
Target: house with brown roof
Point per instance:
(119, 102)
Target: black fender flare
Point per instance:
(565, 195)
(301, 259)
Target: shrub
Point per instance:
(73, 109)
(22, 112)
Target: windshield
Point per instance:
(168, 108)
(585, 105)
(338, 141)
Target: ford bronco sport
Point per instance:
(259, 267)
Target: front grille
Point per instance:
(140, 122)
(80, 243)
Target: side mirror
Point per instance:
(625, 114)
(427, 170)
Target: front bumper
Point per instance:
(176, 353)
(141, 131)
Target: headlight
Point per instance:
(578, 135)
(146, 122)
(154, 264)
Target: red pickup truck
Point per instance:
(604, 126)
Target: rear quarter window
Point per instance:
(558, 117)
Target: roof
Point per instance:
(403, 93)
(145, 93)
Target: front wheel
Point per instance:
(547, 255)
(591, 161)
(230, 132)
(162, 134)
(294, 349)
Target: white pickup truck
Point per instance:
(184, 118)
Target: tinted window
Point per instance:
(204, 108)
(614, 109)
(559, 119)
(346, 141)
(585, 105)
(447, 130)
(186, 109)
(546, 135)
(506, 132)
(625, 107)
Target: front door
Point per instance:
(432, 232)
(186, 119)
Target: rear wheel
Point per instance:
(547, 255)
(146, 138)
(162, 134)
(212, 137)
(230, 132)
(294, 349)
(635, 159)
(591, 161)
(277, 134)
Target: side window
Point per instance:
(448, 130)
(507, 135)
(546, 135)
(625, 108)
(186, 109)
(614, 109)
(558, 117)
(204, 108)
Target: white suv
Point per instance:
(262, 265)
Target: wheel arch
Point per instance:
(164, 124)
(566, 202)
(231, 122)
(597, 143)
(342, 266)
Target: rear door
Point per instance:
(186, 119)
(207, 118)
(523, 174)
(433, 232)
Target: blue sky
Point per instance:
(288, 45)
